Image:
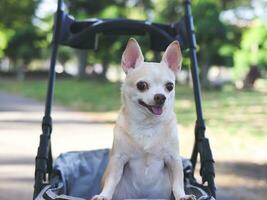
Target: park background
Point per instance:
(232, 52)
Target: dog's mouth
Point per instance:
(155, 109)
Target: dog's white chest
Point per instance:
(144, 176)
(146, 136)
(146, 165)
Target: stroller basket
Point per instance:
(76, 175)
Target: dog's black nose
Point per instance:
(159, 99)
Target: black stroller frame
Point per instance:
(83, 35)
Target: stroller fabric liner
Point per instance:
(78, 175)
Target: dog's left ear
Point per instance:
(173, 56)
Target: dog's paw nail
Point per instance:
(99, 197)
(188, 197)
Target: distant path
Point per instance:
(20, 127)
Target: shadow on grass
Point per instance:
(245, 170)
(241, 193)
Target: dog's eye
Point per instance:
(142, 86)
(169, 86)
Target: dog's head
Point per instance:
(149, 87)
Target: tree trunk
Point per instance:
(204, 69)
(105, 65)
(251, 77)
(103, 75)
(204, 76)
(82, 62)
(188, 76)
(20, 70)
(157, 56)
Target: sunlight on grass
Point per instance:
(233, 111)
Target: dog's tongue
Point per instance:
(157, 110)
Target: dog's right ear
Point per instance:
(132, 56)
(173, 56)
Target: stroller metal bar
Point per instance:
(196, 84)
(41, 164)
(120, 26)
(43, 161)
(193, 56)
(207, 167)
(82, 34)
(52, 73)
(201, 144)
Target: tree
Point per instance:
(211, 35)
(3, 41)
(16, 14)
(26, 45)
(20, 40)
(64, 55)
(89, 9)
(216, 41)
(110, 47)
(251, 57)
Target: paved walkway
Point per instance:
(20, 127)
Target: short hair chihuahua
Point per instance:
(144, 160)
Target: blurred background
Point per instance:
(232, 53)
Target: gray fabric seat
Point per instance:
(81, 172)
(77, 175)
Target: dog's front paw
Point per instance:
(100, 197)
(188, 197)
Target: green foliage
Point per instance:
(210, 31)
(91, 8)
(15, 14)
(26, 44)
(167, 11)
(110, 48)
(3, 42)
(217, 42)
(19, 39)
(253, 50)
(230, 45)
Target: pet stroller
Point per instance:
(76, 175)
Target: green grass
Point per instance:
(232, 111)
(82, 95)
